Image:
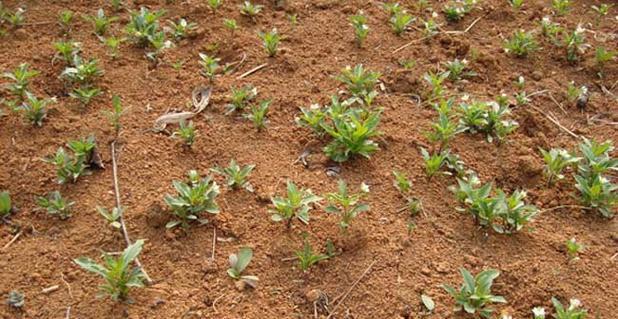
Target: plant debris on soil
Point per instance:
(388, 263)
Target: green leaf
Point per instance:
(244, 257)
(90, 265)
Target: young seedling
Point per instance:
(433, 162)
(297, 204)
(444, 130)
(214, 5)
(435, 82)
(117, 4)
(241, 97)
(231, 25)
(270, 40)
(6, 207)
(83, 148)
(235, 175)
(210, 66)
(400, 22)
(186, 132)
(556, 160)
(119, 276)
(551, 30)
(250, 10)
(194, 198)
(402, 183)
(458, 69)
(573, 311)
(538, 312)
(475, 293)
(238, 263)
(35, 109)
(307, 258)
(521, 44)
(511, 213)
(65, 18)
(392, 8)
(312, 117)
(182, 28)
(16, 299)
(574, 43)
(100, 22)
(143, 26)
(516, 4)
(67, 169)
(488, 118)
(17, 19)
(430, 26)
(258, 115)
(360, 82)
(112, 217)
(20, 78)
(602, 56)
(573, 91)
(573, 248)
(352, 134)
(346, 205)
(56, 205)
(456, 11)
(361, 29)
(82, 72)
(602, 10)
(85, 95)
(115, 114)
(598, 193)
(67, 51)
(561, 7)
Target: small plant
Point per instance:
(352, 134)
(512, 214)
(17, 19)
(556, 160)
(401, 182)
(236, 176)
(182, 28)
(6, 207)
(118, 274)
(83, 72)
(475, 293)
(400, 21)
(85, 95)
(430, 26)
(115, 114)
(538, 312)
(312, 117)
(360, 82)
(602, 10)
(602, 56)
(572, 312)
(456, 11)
(516, 4)
(521, 44)
(186, 132)
(434, 162)
(250, 10)
(231, 25)
(296, 204)
(100, 22)
(83, 149)
(67, 169)
(35, 109)
(561, 7)
(258, 115)
(194, 198)
(117, 4)
(67, 51)
(65, 18)
(113, 45)
(361, 29)
(575, 43)
(20, 78)
(238, 263)
(56, 205)
(458, 69)
(210, 66)
(573, 249)
(551, 30)
(488, 118)
(241, 97)
(346, 205)
(112, 217)
(598, 193)
(214, 4)
(444, 129)
(435, 82)
(143, 26)
(573, 91)
(307, 258)
(16, 299)
(392, 8)
(270, 41)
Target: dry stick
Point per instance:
(409, 44)
(467, 29)
(556, 122)
(564, 206)
(214, 242)
(119, 207)
(12, 240)
(551, 97)
(257, 68)
(67, 314)
(350, 289)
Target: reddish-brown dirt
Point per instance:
(188, 284)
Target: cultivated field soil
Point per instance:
(401, 262)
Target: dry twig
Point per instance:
(350, 289)
(257, 68)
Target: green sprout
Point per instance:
(100, 22)
(186, 132)
(235, 175)
(573, 311)
(35, 109)
(6, 207)
(258, 114)
(400, 22)
(556, 160)
(296, 204)
(573, 248)
(238, 263)
(241, 97)
(521, 44)
(270, 41)
(307, 258)
(112, 217)
(85, 95)
(65, 18)
(475, 293)
(20, 78)
(194, 198)
(56, 205)
(182, 28)
(250, 10)
(361, 29)
(345, 204)
(210, 66)
(561, 6)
